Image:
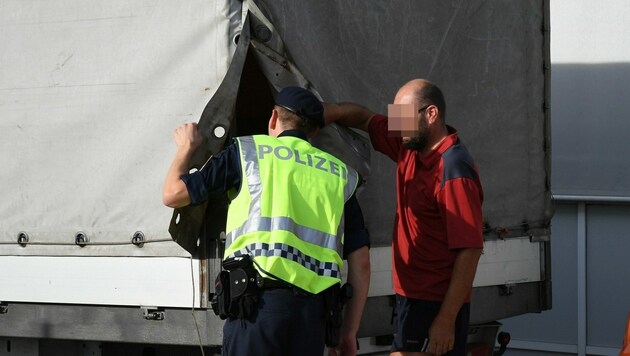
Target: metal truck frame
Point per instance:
(91, 91)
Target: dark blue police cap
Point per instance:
(303, 103)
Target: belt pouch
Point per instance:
(243, 292)
(221, 300)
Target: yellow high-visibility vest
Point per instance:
(288, 213)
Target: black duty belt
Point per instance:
(267, 283)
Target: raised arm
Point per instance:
(348, 114)
(188, 138)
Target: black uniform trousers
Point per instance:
(286, 322)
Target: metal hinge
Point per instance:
(507, 289)
(153, 313)
(538, 238)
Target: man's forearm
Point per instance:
(188, 138)
(359, 278)
(442, 330)
(175, 193)
(348, 114)
(462, 278)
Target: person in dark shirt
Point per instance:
(285, 168)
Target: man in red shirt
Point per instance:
(438, 236)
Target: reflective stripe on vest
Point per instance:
(287, 224)
(256, 222)
(327, 269)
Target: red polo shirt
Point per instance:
(438, 211)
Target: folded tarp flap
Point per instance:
(197, 228)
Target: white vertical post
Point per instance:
(581, 279)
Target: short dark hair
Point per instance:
(431, 94)
(291, 120)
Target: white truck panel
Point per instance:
(504, 262)
(150, 281)
(509, 261)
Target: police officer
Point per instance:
(294, 213)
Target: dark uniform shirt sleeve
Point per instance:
(356, 235)
(220, 174)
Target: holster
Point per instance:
(335, 298)
(235, 289)
(221, 299)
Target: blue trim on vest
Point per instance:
(291, 253)
(457, 163)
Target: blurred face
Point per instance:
(403, 121)
(409, 122)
